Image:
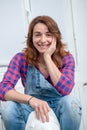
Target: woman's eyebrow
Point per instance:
(40, 32)
(36, 32)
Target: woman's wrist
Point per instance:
(28, 101)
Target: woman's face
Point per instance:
(42, 38)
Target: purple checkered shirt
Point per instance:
(18, 69)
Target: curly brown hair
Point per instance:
(30, 51)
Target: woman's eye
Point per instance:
(49, 34)
(37, 35)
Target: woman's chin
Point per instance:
(41, 52)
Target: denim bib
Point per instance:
(38, 86)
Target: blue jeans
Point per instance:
(67, 109)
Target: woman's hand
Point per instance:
(41, 108)
(51, 48)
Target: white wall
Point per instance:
(12, 28)
(80, 28)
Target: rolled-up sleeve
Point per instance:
(66, 81)
(11, 76)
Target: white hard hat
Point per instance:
(34, 124)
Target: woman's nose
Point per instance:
(43, 38)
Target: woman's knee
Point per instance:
(9, 111)
(71, 105)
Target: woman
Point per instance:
(47, 73)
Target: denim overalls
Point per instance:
(38, 86)
(67, 108)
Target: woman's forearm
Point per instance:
(13, 95)
(53, 70)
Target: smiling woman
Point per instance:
(42, 38)
(45, 89)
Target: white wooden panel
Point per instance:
(0, 123)
(83, 99)
(12, 28)
(79, 8)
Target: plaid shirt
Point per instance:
(18, 69)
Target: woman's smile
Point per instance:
(42, 38)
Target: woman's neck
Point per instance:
(41, 59)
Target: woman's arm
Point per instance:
(41, 107)
(62, 80)
(13, 95)
(53, 70)
(12, 75)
